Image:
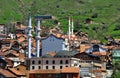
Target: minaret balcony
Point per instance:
(37, 37)
(38, 30)
(29, 27)
(29, 35)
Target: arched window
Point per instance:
(46, 67)
(33, 67)
(61, 62)
(53, 61)
(33, 62)
(66, 61)
(39, 62)
(47, 62)
(53, 67)
(39, 67)
(60, 67)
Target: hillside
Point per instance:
(104, 14)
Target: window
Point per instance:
(75, 64)
(79, 66)
(39, 67)
(61, 62)
(95, 48)
(17, 62)
(66, 61)
(46, 67)
(53, 61)
(47, 62)
(39, 62)
(60, 67)
(17, 68)
(33, 62)
(53, 67)
(33, 67)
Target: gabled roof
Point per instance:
(16, 72)
(53, 36)
(7, 74)
(13, 54)
(64, 53)
(20, 65)
(90, 55)
(91, 48)
(99, 53)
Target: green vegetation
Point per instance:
(116, 70)
(105, 14)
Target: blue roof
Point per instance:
(1, 58)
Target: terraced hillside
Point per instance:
(98, 18)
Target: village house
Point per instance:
(89, 63)
(116, 54)
(3, 29)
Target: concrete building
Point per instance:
(53, 43)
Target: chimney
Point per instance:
(29, 36)
(38, 37)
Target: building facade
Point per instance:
(52, 44)
(50, 63)
(115, 55)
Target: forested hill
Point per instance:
(104, 15)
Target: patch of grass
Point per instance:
(107, 14)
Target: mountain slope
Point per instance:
(105, 14)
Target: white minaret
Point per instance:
(72, 32)
(69, 29)
(69, 26)
(29, 36)
(38, 38)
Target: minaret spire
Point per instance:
(72, 32)
(69, 29)
(29, 36)
(38, 38)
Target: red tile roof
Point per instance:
(70, 70)
(55, 71)
(16, 72)
(52, 71)
(7, 74)
(99, 53)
